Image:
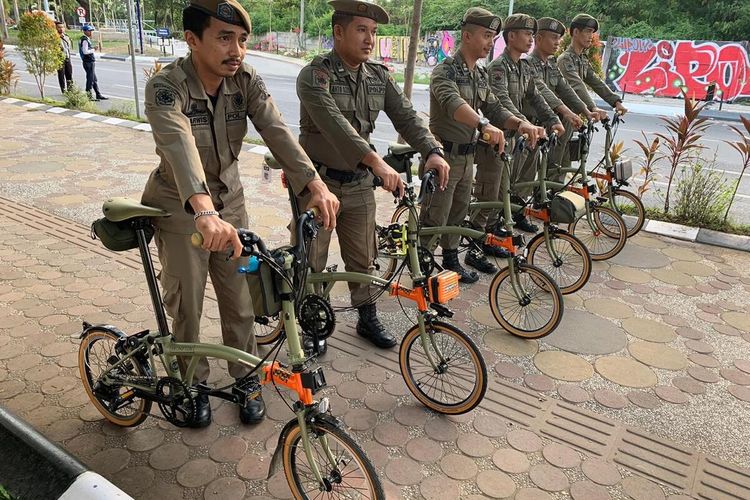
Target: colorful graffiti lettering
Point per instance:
(666, 68)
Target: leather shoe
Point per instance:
(254, 411)
(370, 327)
(477, 260)
(102, 98)
(524, 224)
(202, 415)
(308, 347)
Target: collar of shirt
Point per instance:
(341, 69)
(228, 85)
(516, 66)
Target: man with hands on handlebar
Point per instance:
(459, 88)
(198, 108)
(341, 95)
(518, 87)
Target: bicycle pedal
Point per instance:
(332, 268)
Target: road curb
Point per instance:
(277, 57)
(713, 114)
(41, 469)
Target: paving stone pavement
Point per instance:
(642, 392)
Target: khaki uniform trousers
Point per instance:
(355, 227)
(490, 172)
(561, 154)
(450, 207)
(183, 279)
(524, 170)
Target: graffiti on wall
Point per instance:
(666, 68)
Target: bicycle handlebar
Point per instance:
(428, 184)
(250, 240)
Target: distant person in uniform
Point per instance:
(564, 99)
(341, 95)
(65, 73)
(459, 90)
(86, 51)
(198, 108)
(579, 73)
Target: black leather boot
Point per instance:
(370, 327)
(524, 224)
(450, 262)
(476, 259)
(202, 416)
(254, 410)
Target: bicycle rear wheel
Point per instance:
(570, 268)
(267, 329)
(352, 476)
(118, 403)
(458, 382)
(631, 208)
(534, 314)
(607, 238)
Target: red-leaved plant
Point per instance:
(743, 148)
(682, 142)
(650, 157)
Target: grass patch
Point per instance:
(418, 78)
(730, 226)
(253, 140)
(121, 48)
(46, 100)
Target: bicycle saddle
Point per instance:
(401, 149)
(271, 161)
(119, 209)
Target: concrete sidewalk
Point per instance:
(642, 392)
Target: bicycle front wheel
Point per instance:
(608, 235)
(532, 310)
(570, 266)
(118, 403)
(631, 208)
(457, 381)
(349, 475)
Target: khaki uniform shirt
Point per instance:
(338, 109)
(518, 82)
(562, 92)
(452, 85)
(578, 71)
(199, 144)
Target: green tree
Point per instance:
(39, 44)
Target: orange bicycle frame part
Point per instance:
(582, 191)
(605, 176)
(276, 373)
(496, 241)
(415, 294)
(538, 213)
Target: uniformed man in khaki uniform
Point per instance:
(516, 84)
(579, 73)
(459, 89)
(198, 108)
(562, 98)
(341, 95)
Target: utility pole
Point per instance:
(15, 11)
(131, 37)
(302, 25)
(510, 8)
(411, 58)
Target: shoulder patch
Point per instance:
(165, 96)
(320, 78)
(262, 87)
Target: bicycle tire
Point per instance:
(299, 475)
(634, 223)
(546, 293)
(269, 333)
(570, 250)
(610, 235)
(142, 406)
(411, 353)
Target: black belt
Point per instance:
(342, 176)
(459, 149)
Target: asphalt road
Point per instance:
(115, 81)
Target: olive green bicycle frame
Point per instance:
(168, 350)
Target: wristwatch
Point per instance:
(436, 151)
(483, 122)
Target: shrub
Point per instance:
(148, 73)
(76, 98)
(702, 195)
(743, 148)
(122, 110)
(8, 76)
(650, 157)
